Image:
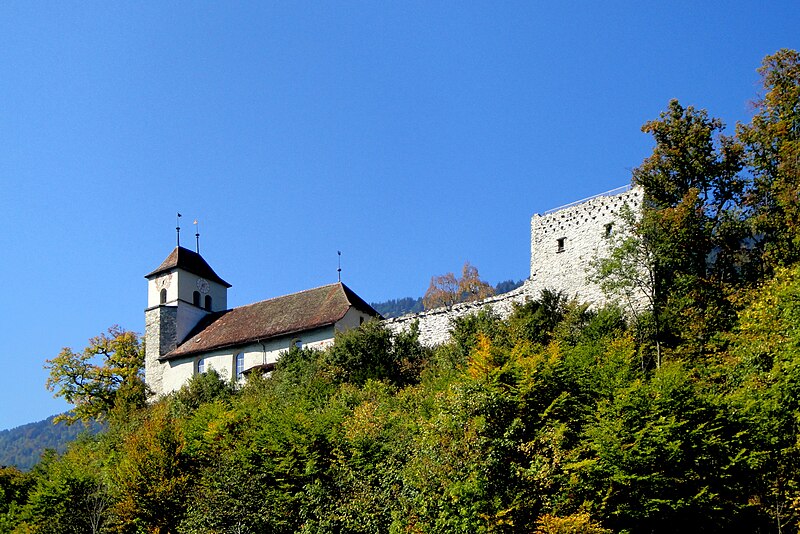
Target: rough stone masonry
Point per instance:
(564, 241)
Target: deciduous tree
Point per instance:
(446, 290)
(108, 373)
(772, 143)
(686, 245)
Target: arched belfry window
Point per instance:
(208, 302)
(196, 298)
(163, 297)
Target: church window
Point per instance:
(208, 302)
(560, 243)
(201, 366)
(196, 298)
(163, 297)
(239, 365)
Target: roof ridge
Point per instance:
(286, 295)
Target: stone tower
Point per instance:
(565, 240)
(180, 292)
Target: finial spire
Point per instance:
(178, 228)
(197, 236)
(339, 270)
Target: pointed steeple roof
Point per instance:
(189, 261)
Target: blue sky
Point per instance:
(412, 136)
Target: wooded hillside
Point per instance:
(562, 418)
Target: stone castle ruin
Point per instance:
(190, 330)
(564, 241)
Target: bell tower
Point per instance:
(180, 292)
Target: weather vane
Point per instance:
(178, 228)
(197, 236)
(339, 270)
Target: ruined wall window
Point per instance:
(560, 243)
(208, 302)
(201, 366)
(163, 298)
(239, 365)
(196, 298)
(609, 229)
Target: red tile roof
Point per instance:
(281, 316)
(183, 258)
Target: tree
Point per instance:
(70, 493)
(629, 272)
(687, 245)
(149, 476)
(446, 290)
(772, 143)
(107, 374)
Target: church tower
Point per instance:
(180, 292)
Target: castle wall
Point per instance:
(563, 244)
(435, 324)
(565, 241)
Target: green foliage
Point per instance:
(70, 494)
(97, 388)
(544, 422)
(772, 143)
(371, 352)
(14, 489)
(149, 474)
(200, 389)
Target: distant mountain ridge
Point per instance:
(22, 447)
(397, 307)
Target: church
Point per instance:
(189, 328)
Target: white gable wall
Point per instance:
(352, 319)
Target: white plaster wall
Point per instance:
(180, 286)
(154, 289)
(187, 285)
(188, 317)
(177, 372)
(352, 319)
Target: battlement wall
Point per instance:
(435, 324)
(564, 241)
